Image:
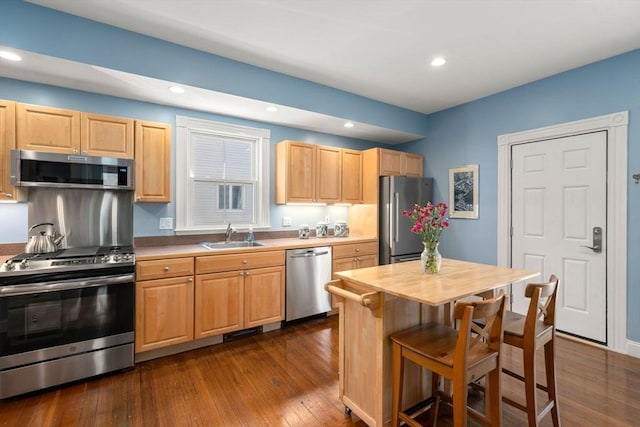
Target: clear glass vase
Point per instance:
(431, 258)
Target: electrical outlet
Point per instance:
(166, 223)
(286, 221)
(326, 219)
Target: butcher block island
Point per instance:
(378, 301)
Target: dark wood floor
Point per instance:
(290, 378)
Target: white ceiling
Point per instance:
(381, 49)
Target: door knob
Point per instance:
(597, 240)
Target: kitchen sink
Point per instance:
(230, 245)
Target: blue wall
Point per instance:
(468, 135)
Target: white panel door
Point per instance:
(559, 197)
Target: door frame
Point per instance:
(616, 126)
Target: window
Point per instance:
(222, 176)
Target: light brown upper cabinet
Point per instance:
(54, 130)
(57, 130)
(7, 143)
(393, 163)
(351, 176)
(412, 164)
(107, 136)
(295, 172)
(328, 174)
(153, 161)
(307, 173)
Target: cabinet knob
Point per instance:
(166, 268)
(244, 261)
(190, 279)
(357, 249)
(74, 151)
(246, 273)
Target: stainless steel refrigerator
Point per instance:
(397, 194)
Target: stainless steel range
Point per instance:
(65, 316)
(68, 313)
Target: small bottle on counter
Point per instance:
(250, 237)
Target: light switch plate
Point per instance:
(166, 223)
(286, 221)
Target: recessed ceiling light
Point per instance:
(176, 89)
(438, 61)
(9, 56)
(272, 109)
(349, 125)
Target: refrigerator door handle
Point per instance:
(396, 219)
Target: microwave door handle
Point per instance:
(38, 288)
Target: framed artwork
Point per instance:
(463, 192)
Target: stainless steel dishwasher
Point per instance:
(307, 272)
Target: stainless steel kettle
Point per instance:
(45, 242)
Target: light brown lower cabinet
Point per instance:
(164, 313)
(185, 299)
(353, 256)
(236, 300)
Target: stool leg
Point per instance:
(529, 362)
(397, 383)
(493, 397)
(435, 392)
(550, 369)
(460, 399)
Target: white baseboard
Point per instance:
(633, 349)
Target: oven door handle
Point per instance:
(38, 288)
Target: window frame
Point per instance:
(185, 126)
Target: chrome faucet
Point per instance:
(227, 234)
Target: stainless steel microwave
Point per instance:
(39, 169)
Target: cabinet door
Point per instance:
(263, 296)
(153, 162)
(365, 261)
(351, 176)
(343, 264)
(390, 162)
(328, 174)
(164, 312)
(47, 129)
(219, 303)
(7, 143)
(106, 135)
(295, 172)
(412, 164)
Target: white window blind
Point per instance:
(222, 174)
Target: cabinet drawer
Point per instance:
(164, 268)
(353, 249)
(216, 263)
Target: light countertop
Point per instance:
(159, 252)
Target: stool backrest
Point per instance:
(490, 335)
(542, 306)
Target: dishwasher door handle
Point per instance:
(309, 254)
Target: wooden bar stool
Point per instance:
(458, 355)
(530, 333)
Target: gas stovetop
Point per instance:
(82, 258)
